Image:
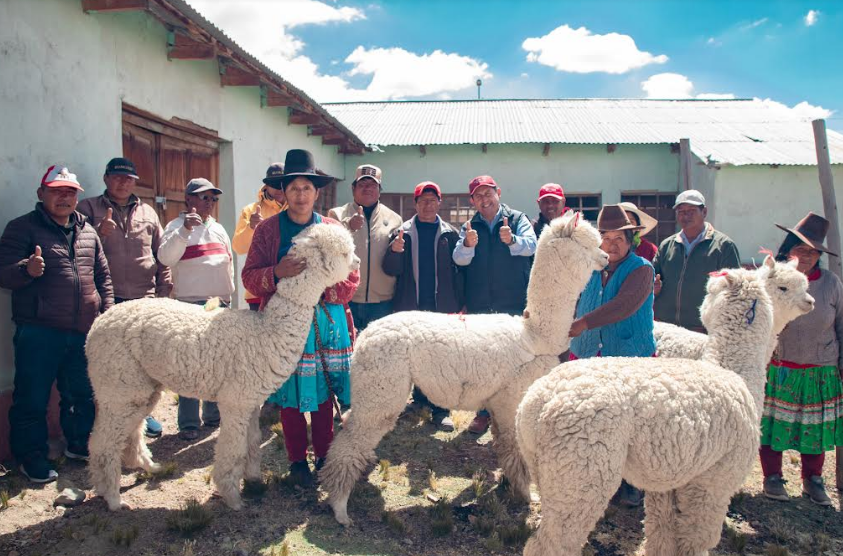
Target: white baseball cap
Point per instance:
(691, 197)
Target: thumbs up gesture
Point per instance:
(356, 222)
(398, 242)
(35, 264)
(192, 219)
(470, 235)
(506, 232)
(256, 218)
(107, 225)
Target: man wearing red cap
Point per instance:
(495, 248)
(53, 262)
(420, 257)
(551, 205)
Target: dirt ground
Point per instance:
(431, 494)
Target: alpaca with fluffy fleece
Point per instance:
(783, 283)
(685, 431)
(464, 361)
(139, 348)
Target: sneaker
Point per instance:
(189, 434)
(78, 453)
(300, 473)
(631, 497)
(480, 424)
(445, 424)
(211, 424)
(153, 428)
(38, 470)
(320, 463)
(774, 488)
(814, 489)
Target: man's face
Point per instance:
(203, 203)
(551, 207)
(272, 194)
(427, 206)
(119, 186)
(691, 217)
(487, 200)
(366, 192)
(301, 195)
(59, 202)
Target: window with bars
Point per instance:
(588, 203)
(456, 208)
(659, 206)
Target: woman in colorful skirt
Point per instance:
(803, 403)
(323, 370)
(615, 311)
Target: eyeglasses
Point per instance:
(206, 198)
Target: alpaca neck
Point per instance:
(742, 356)
(551, 303)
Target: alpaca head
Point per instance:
(572, 246)
(329, 252)
(788, 289)
(737, 306)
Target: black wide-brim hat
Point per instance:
(299, 163)
(812, 231)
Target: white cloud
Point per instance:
(262, 27)
(754, 24)
(668, 85)
(811, 17)
(713, 42)
(804, 110)
(525, 75)
(581, 51)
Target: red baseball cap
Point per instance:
(427, 186)
(59, 176)
(480, 181)
(551, 190)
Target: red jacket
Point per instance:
(76, 285)
(647, 250)
(259, 271)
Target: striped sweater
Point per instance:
(200, 260)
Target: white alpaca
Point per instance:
(137, 349)
(685, 431)
(783, 284)
(464, 361)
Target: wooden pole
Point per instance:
(685, 163)
(830, 209)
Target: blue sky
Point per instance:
(346, 50)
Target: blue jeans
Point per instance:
(44, 355)
(364, 313)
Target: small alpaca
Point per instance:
(464, 361)
(685, 431)
(138, 348)
(784, 285)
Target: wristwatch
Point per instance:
(511, 240)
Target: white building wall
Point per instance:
(64, 75)
(521, 169)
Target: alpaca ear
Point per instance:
(731, 279)
(770, 262)
(577, 218)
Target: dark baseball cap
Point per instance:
(274, 174)
(201, 185)
(121, 166)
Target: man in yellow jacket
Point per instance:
(270, 202)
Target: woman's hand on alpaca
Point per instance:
(289, 266)
(578, 327)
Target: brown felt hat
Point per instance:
(812, 230)
(613, 218)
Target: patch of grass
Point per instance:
(96, 522)
(493, 543)
(283, 550)
(441, 518)
(254, 488)
(192, 517)
(781, 530)
(175, 399)
(188, 548)
(394, 522)
(736, 541)
(22, 494)
(478, 482)
(208, 475)
(4, 499)
(776, 550)
(424, 416)
(125, 537)
(514, 534)
(383, 469)
(432, 480)
(738, 500)
(167, 470)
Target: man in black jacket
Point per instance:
(53, 262)
(420, 257)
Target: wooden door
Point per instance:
(140, 146)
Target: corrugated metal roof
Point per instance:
(737, 132)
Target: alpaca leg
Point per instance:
(230, 453)
(136, 453)
(113, 426)
(373, 414)
(660, 523)
(701, 509)
(253, 453)
(505, 444)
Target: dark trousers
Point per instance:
(421, 399)
(364, 313)
(295, 431)
(44, 355)
(188, 415)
